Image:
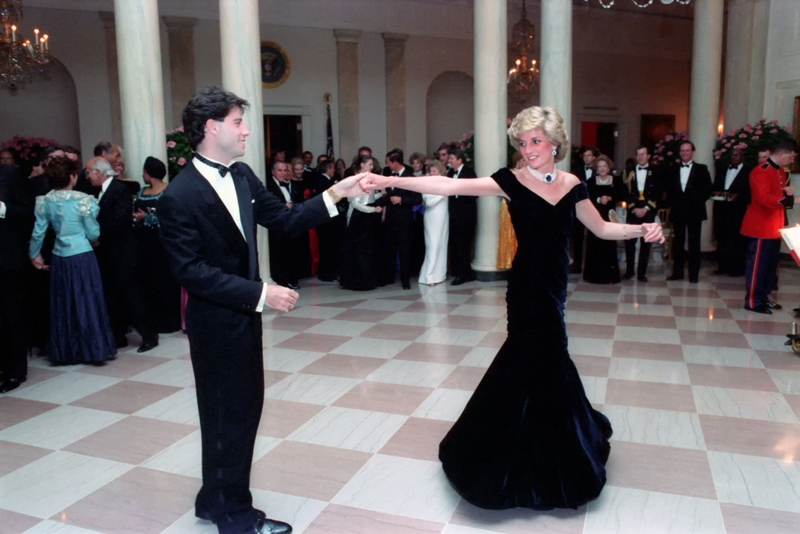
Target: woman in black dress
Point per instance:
(528, 436)
(161, 292)
(605, 190)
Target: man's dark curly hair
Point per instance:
(210, 103)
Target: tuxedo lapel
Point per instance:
(218, 213)
(245, 199)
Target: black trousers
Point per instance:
(630, 256)
(459, 244)
(682, 229)
(13, 334)
(329, 241)
(124, 301)
(398, 240)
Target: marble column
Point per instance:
(140, 82)
(556, 63)
(180, 33)
(491, 51)
(113, 78)
(395, 46)
(758, 61)
(240, 40)
(705, 89)
(347, 76)
(737, 63)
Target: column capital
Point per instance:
(179, 23)
(395, 39)
(347, 36)
(108, 19)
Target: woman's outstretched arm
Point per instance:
(435, 185)
(588, 215)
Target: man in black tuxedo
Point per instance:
(733, 184)
(16, 226)
(399, 210)
(208, 217)
(646, 192)
(588, 155)
(463, 220)
(117, 257)
(283, 254)
(331, 233)
(688, 188)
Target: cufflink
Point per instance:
(253, 201)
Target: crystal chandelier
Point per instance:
(641, 3)
(19, 58)
(523, 77)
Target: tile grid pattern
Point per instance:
(360, 388)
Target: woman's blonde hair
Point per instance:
(603, 157)
(438, 164)
(545, 119)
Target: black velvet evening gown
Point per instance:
(528, 436)
(602, 265)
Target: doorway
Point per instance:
(603, 135)
(283, 132)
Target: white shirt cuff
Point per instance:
(332, 211)
(260, 306)
(2, 210)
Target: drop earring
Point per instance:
(555, 151)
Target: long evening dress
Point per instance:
(361, 244)
(601, 264)
(437, 232)
(528, 436)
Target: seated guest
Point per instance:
(80, 331)
(605, 190)
(162, 294)
(437, 231)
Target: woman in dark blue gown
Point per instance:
(528, 436)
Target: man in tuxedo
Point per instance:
(16, 226)
(688, 188)
(283, 254)
(208, 217)
(362, 151)
(732, 183)
(308, 160)
(399, 221)
(463, 220)
(762, 220)
(331, 233)
(117, 257)
(443, 154)
(645, 194)
(588, 154)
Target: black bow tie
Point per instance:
(284, 184)
(395, 174)
(687, 165)
(588, 168)
(223, 170)
(733, 166)
(640, 168)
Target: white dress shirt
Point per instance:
(685, 171)
(285, 191)
(731, 176)
(641, 177)
(104, 187)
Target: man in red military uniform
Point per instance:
(764, 216)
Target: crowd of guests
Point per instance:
(82, 261)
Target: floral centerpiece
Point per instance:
(467, 144)
(179, 153)
(667, 151)
(750, 137)
(28, 151)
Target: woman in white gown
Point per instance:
(437, 232)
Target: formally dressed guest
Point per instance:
(645, 191)
(304, 244)
(16, 222)
(331, 233)
(731, 197)
(361, 250)
(121, 175)
(117, 258)
(307, 160)
(688, 188)
(605, 191)
(109, 152)
(80, 331)
(399, 230)
(7, 158)
(417, 162)
(208, 218)
(282, 248)
(763, 155)
(463, 220)
(362, 151)
(162, 294)
(588, 155)
(437, 231)
(443, 155)
(339, 168)
(770, 195)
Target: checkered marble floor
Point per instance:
(360, 387)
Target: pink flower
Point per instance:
(724, 150)
(759, 132)
(181, 161)
(788, 128)
(668, 138)
(743, 136)
(180, 128)
(774, 121)
(669, 153)
(171, 144)
(172, 158)
(717, 154)
(755, 138)
(773, 131)
(728, 143)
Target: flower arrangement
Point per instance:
(750, 137)
(467, 143)
(28, 151)
(667, 151)
(179, 153)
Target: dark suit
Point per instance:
(653, 193)
(117, 259)
(687, 213)
(15, 233)
(284, 253)
(218, 267)
(728, 217)
(331, 234)
(463, 221)
(399, 230)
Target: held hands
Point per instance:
(395, 200)
(653, 233)
(370, 181)
(349, 187)
(280, 298)
(378, 209)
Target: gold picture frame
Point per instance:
(275, 65)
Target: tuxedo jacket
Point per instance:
(463, 209)
(116, 226)
(690, 205)
(408, 199)
(653, 193)
(740, 186)
(17, 226)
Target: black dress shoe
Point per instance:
(760, 309)
(10, 384)
(457, 282)
(150, 344)
(406, 285)
(269, 526)
(675, 277)
(642, 278)
(774, 306)
(627, 276)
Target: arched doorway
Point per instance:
(450, 108)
